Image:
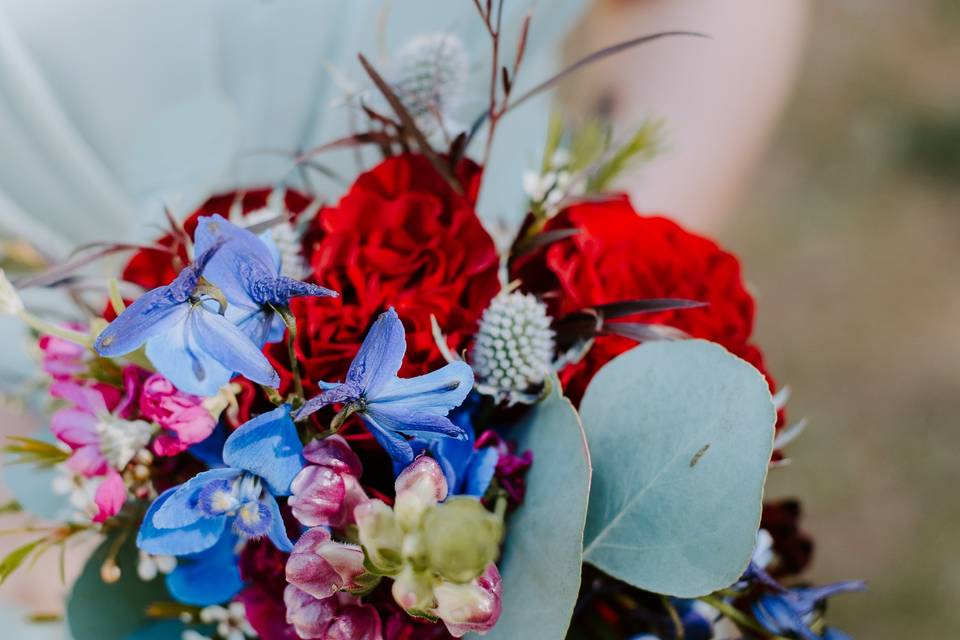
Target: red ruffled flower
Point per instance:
(400, 237)
(620, 255)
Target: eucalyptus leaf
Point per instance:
(100, 611)
(681, 434)
(542, 556)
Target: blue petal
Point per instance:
(181, 509)
(151, 314)
(267, 446)
(243, 258)
(176, 355)
(230, 347)
(380, 355)
(394, 444)
(210, 450)
(403, 420)
(254, 322)
(436, 392)
(779, 616)
(479, 474)
(330, 394)
(807, 598)
(207, 578)
(194, 538)
(278, 531)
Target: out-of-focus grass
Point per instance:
(852, 240)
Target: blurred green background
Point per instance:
(851, 237)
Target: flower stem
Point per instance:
(738, 617)
(43, 326)
(291, 322)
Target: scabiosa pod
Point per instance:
(262, 458)
(392, 407)
(514, 348)
(187, 339)
(429, 76)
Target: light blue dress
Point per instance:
(111, 109)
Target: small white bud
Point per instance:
(10, 302)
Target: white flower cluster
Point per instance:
(514, 346)
(429, 75)
(231, 622)
(551, 187)
(149, 566)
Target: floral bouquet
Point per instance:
(361, 419)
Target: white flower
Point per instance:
(231, 621)
(10, 302)
(121, 440)
(149, 567)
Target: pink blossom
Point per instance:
(326, 492)
(110, 496)
(102, 440)
(340, 617)
(63, 359)
(321, 566)
(472, 607)
(182, 416)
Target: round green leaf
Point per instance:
(100, 611)
(681, 435)
(542, 554)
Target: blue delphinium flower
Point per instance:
(788, 613)
(209, 577)
(247, 271)
(468, 470)
(261, 457)
(393, 407)
(187, 338)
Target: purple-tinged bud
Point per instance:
(321, 567)
(474, 607)
(326, 492)
(419, 487)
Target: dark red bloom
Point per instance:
(400, 237)
(620, 255)
(793, 547)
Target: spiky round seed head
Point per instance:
(429, 76)
(514, 346)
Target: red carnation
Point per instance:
(620, 255)
(400, 237)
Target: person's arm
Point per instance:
(720, 96)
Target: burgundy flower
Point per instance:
(341, 617)
(511, 468)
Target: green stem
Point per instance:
(674, 617)
(738, 616)
(43, 326)
(116, 300)
(291, 322)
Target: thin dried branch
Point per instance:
(597, 56)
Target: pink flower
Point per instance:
(110, 496)
(472, 607)
(102, 441)
(341, 617)
(321, 567)
(63, 359)
(326, 491)
(182, 416)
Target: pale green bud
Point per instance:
(380, 536)
(462, 538)
(413, 590)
